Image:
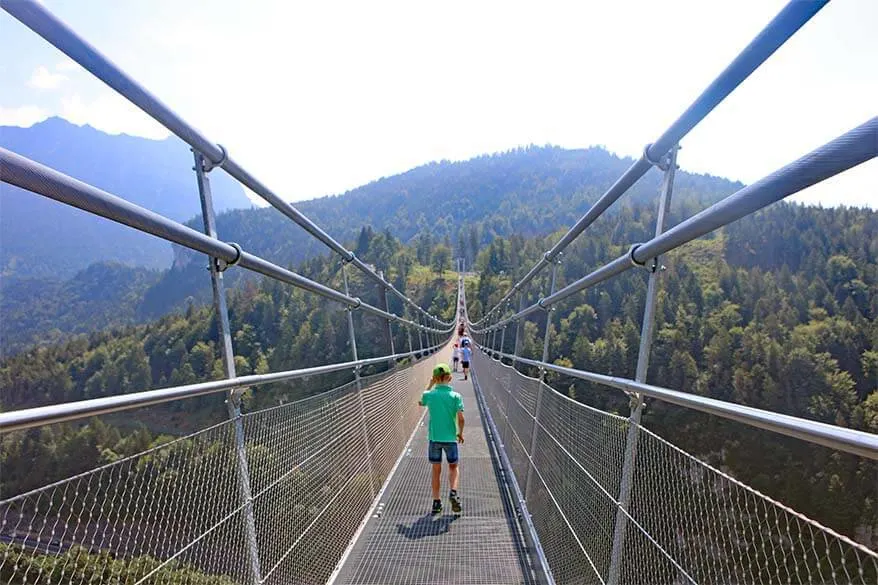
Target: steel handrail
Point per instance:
(789, 20)
(39, 19)
(69, 411)
(840, 438)
(40, 179)
(847, 151)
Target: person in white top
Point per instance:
(455, 357)
(466, 354)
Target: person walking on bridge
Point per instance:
(445, 407)
(466, 354)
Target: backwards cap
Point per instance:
(441, 370)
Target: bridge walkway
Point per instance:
(402, 544)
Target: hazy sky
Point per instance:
(319, 97)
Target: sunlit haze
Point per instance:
(317, 98)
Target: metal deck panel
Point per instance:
(403, 544)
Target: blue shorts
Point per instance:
(434, 452)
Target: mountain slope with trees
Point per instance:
(275, 327)
(461, 206)
(778, 311)
(43, 238)
(527, 191)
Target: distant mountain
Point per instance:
(42, 238)
(529, 191)
(43, 310)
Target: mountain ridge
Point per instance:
(43, 238)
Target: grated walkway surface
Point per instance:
(402, 544)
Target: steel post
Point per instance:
(542, 376)
(519, 329)
(548, 321)
(646, 335)
(392, 362)
(408, 330)
(353, 341)
(233, 397)
(502, 339)
(420, 339)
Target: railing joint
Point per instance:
(223, 265)
(632, 259)
(208, 165)
(661, 163)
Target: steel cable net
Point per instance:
(173, 514)
(687, 521)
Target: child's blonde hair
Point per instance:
(440, 379)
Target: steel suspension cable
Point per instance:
(39, 19)
(789, 20)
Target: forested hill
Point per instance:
(528, 191)
(778, 310)
(275, 327)
(42, 238)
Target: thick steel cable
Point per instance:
(39, 19)
(783, 26)
(43, 180)
(845, 152)
(689, 522)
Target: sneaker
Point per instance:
(437, 507)
(455, 503)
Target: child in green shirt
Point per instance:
(445, 432)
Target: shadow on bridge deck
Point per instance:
(403, 544)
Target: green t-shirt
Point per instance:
(443, 403)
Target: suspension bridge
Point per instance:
(333, 488)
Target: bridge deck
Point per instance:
(403, 544)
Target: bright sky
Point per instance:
(319, 97)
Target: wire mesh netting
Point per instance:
(175, 513)
(687, 522)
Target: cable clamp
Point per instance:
(632, 259)
(357, 306)
(542, 305)
(349, 260)
(209, 165)
(654, 265)
(551, 259)
(221, 265)
(662, 163)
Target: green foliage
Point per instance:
(777, 311)
(44, 310)
(275, 327)
(77, 565)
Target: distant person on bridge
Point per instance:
(466, 355)
(455, 357)
(445, 407)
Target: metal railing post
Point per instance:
(420, 339)
(408, 330)
(353, 341)
(646, 335)
(391, 362)
(542, 376)
(233, 398)
(519, 329)
(502, 339)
